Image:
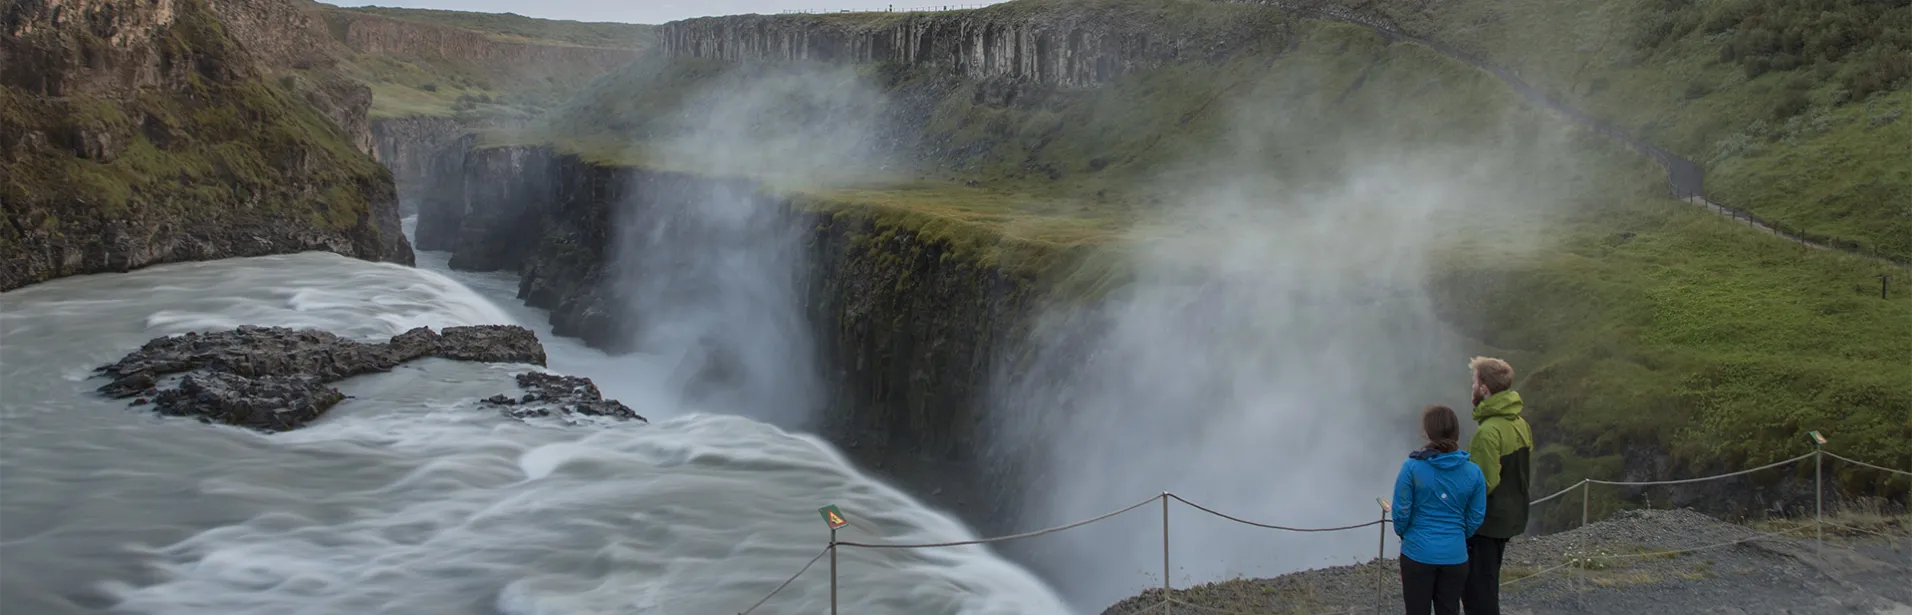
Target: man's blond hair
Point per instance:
(1492, 373)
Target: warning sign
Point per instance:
(833, 516)
(1817, 438)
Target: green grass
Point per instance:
(406, 86)
(1638, 322)
(1787, 103)
(518, 28)
(403, 87)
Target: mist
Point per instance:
(711, 267)
(1269, 360)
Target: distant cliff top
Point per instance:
(517, 28)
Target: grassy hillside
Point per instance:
(1797, 108)
(518, 28)
(443, 82)
(1640, 324)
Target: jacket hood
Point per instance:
(1504, 403)
(1444, 461)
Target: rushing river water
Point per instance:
(408, 498)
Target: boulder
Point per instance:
(552, 394)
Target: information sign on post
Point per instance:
(833, 516)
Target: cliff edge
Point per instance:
(143, 132)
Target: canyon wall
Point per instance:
(289, 39)
(138, 132)
(906, 328)
(1062, 46)
(407, 145)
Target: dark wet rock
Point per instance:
(549, 394)
(273, 378)
(266, 403)
(491, 343)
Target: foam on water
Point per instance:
(409, 497)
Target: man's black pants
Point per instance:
(1432, 589)
(1482, 595)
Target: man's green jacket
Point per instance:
(1503, 448)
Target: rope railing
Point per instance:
(1010, 537)
(787, 582)
(1270, 525)
(1702, 479)
(1864, 464)
(1574, 561)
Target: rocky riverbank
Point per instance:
(1645, 561)
(274, 378)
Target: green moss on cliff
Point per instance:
(214, 146)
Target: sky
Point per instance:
(650, 11)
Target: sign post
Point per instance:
(833, 517)
(1381, 553)
(1818, 488)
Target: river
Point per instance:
(408, 497)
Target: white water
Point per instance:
(408, 498)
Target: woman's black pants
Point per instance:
(1432, 589)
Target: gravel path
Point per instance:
(1630, 568)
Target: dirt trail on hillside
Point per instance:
(1639, 563)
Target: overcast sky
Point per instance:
(646, 11)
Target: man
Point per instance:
(1502, 447)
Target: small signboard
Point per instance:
(1817, 438)
(833, 516)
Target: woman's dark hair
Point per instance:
(1443, 429)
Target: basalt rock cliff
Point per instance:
(905, 326)
(1065, 46)
(138, 132)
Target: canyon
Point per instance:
(149, 132)
(915, 323)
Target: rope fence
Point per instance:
(1574, 561)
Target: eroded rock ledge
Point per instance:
(274, 378)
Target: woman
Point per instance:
(1439, 500)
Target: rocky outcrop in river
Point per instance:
(273, 378)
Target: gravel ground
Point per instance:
(1628, 570)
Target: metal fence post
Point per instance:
(1166, 587)
(833, 572)
(1586, 503)
(1819, 496)
(1380, 554)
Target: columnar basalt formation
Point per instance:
(1058, 47)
